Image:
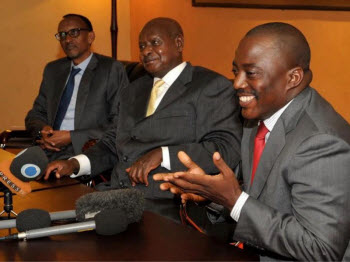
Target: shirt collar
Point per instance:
(271, 121)
(83, 65)
(172, 75)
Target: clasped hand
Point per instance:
(54, 140)
(138, 172)
(194, 184)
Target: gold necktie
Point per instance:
(154, 94)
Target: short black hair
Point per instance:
(289, 39)
(85, 20)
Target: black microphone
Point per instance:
(130, 201)
(107, 222)
(36, 218)
(27, 165)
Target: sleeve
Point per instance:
(37, 117)
(103, 155)
(318, 228)
(217, 127)
(117, 80)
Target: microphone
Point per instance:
(36, 218)
(107, 222)
(27, 165)
(130, 201)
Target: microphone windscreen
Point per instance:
(110, 222)
(29, 164)
(32, 219)
(130, 201)
(14, 184)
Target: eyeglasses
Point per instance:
(75, 32)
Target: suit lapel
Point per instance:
(84, 88)
(272, 149)
(250, 129)
(141, 97)
(177, 88)
(60, 83)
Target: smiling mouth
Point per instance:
(246, 99)
(148, 61)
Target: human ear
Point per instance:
(295, 77)
(179, 41)
(91, 37)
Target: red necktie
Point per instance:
(259, 144)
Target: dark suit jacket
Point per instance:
(300, 199)
(96, 105)
(198, 114)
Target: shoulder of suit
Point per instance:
(59, 62)
(106, 60)
(325, 118)
(202, 72)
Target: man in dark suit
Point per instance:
(195, 110)
(295, 201)
(72, 109)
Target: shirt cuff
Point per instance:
(85, 166)
(236, 210)
(166, 158)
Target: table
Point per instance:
(153, 238)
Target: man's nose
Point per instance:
(240, 81)
(147, 50)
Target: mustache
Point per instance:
(70, 45)
(146, 59)
(244, 91)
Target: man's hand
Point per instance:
(59, 138)
(192, 168)
(139, 171)
(62, 168)
(46, 132)
(222, 189)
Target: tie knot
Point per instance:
(158, 83)
(262, 131)
(74, 71)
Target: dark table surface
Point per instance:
(153, 238)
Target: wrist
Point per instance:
(74, 165)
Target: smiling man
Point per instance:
(77, 100)
(295, 199)
(175, 107)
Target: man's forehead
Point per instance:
(71, 22)
(252, 49)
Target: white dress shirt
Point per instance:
(269, 123)
(169, 79)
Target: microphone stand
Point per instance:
(8, 207)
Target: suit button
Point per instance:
(122, 185)
(125, 158)
(133, 137)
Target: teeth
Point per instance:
(245, 98)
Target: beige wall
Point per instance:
(212, 34)
(27, 43)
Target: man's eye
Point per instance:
(235, 72)
(74, 31)
(141, 47)
(156, 42)
(251, 73)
